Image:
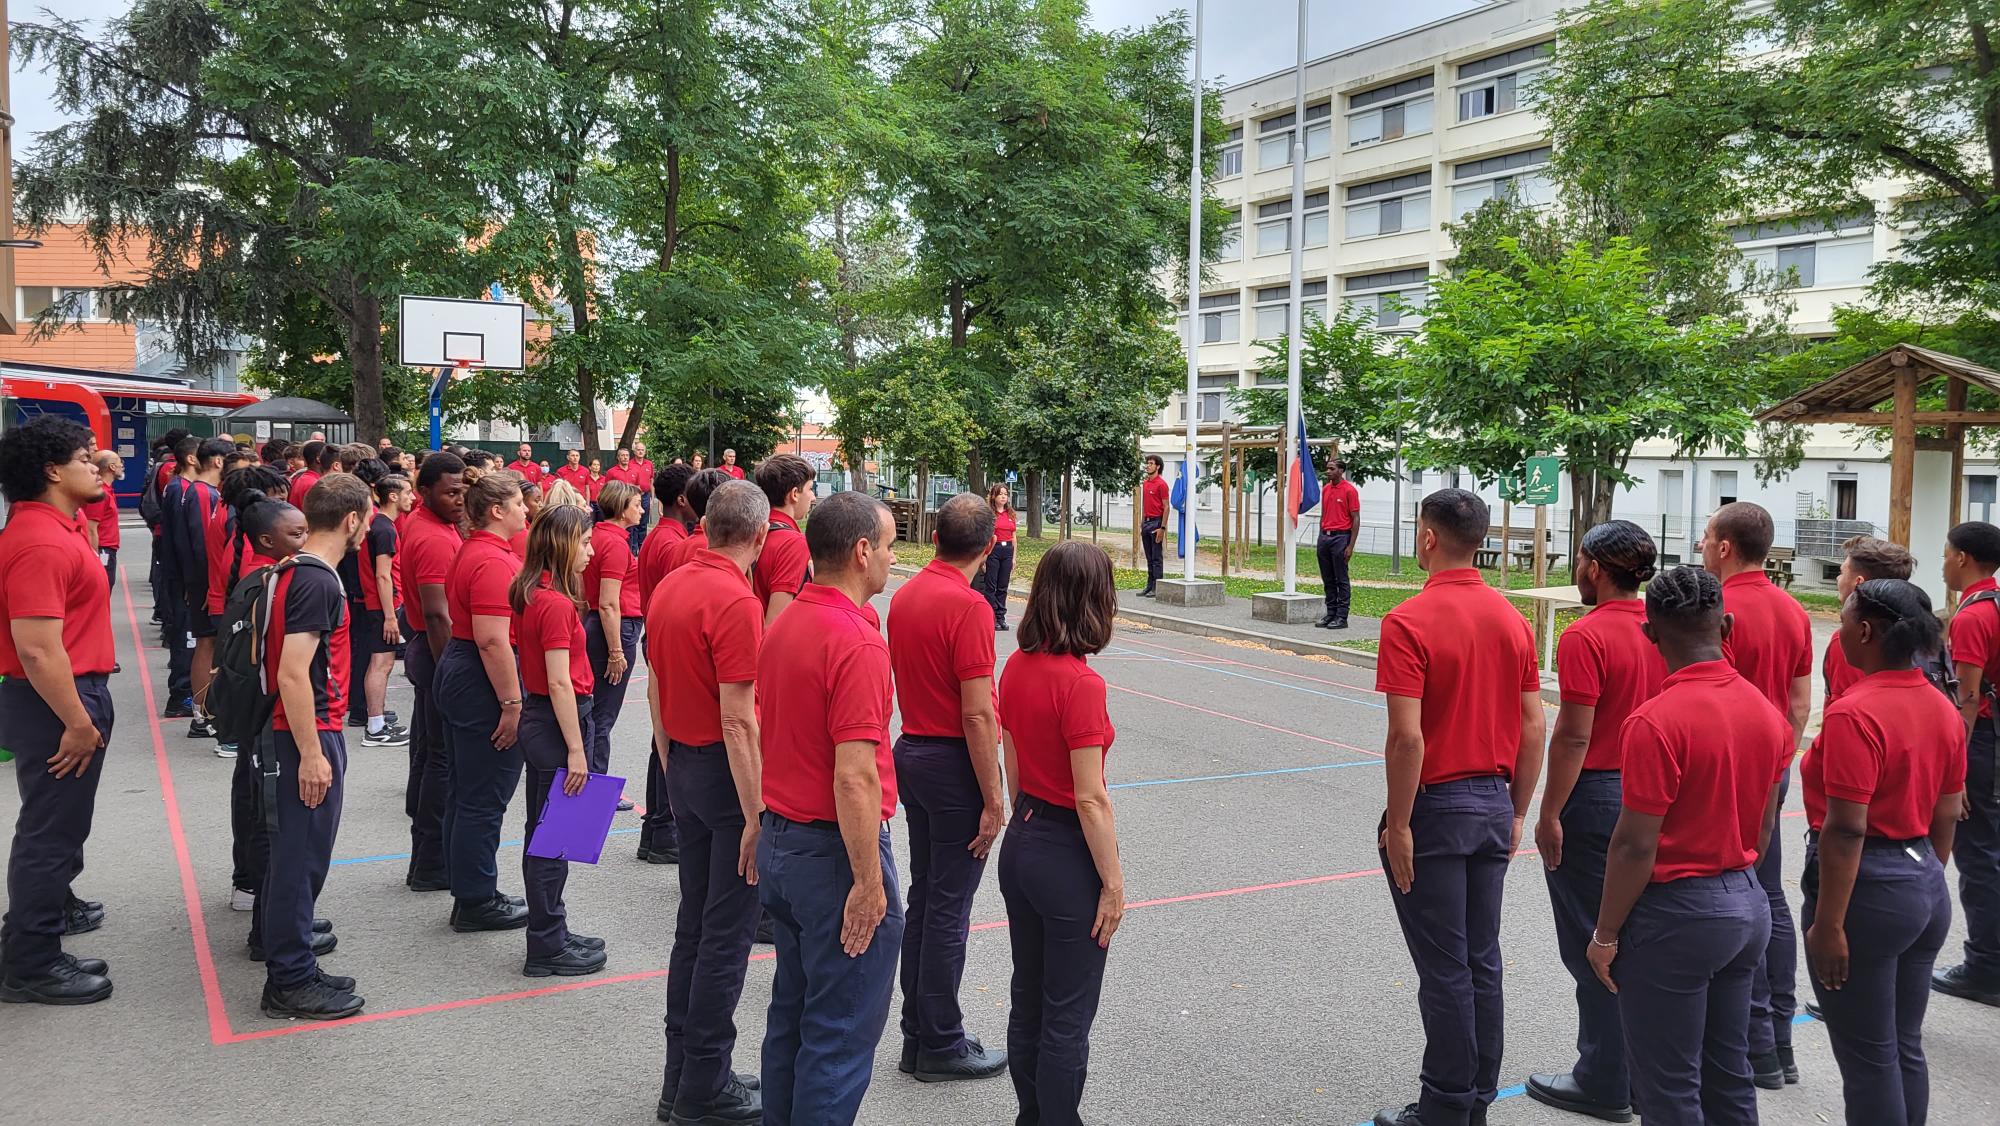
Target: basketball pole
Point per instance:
(462, 368)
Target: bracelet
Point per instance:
(1612, 945)
(513, 703)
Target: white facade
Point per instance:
(1407, 133)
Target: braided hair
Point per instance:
(1623, 551)
(1902, 616)
(1684, 599)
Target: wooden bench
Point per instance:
(1520, 543)
(1778, 566)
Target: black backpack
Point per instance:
(241, 694)
(150, 508)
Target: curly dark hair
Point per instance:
(27, 452)
(1624, 551)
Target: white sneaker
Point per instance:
(225, 750)
(240, 900)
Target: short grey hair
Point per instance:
(736, 512)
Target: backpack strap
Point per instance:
(1986, 686)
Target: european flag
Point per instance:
(1302, 481)
(1178, 498)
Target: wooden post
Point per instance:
(1954, 399)
(1543, 616)
(1506, 531)
(1138, 508)
(1227, 481)
(1903, 451)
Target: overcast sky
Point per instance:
(1243, 39)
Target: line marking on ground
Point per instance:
(1240, 719)
(1370, 693)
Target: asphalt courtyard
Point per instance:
(1259, 976)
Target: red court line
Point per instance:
(1251, 722)
(204, 959)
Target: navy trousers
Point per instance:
(999, 573)
(543, 753)
(1685, 961)
(428, 786)
(1051, 888)
(942, 801)
(1332, 552)
(249, 836)
(180, 643)
(301, 852)
(1574, 890)
(608, 699)
(1976, 852)
(715, 926)
(1897, 921)
(656, 829)
(1451, 924)
(1155, 549)
(52, 823)
(1774, 991)
(483, 777)
(827, 1009)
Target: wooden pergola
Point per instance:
(1233, 441)
(1896, 376)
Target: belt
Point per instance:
(1915, 845)
(773, 818)
(1028, 807)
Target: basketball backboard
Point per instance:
(453, 331)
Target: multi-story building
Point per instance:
(1413, 131)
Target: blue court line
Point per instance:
(1256, 679)
(406, 856)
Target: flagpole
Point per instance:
(1194, 300)
(1288, 556)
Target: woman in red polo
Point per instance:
(1059, 869)
(1882, 785)
(1000, 565)
(547, 599)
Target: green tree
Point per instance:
(1351, 387)
(1571, 357)
(1679, 115)
(920, 412)
(259, 151)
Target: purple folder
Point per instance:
(574, 828)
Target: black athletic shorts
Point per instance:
(367, 635)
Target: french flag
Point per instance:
(1302, 484)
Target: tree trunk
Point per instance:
(1034, 504)
(634, 418)
(1066, 503)
(364, 349)
(975, 473)
(576, 288)
(1591, 497)
(920, 527)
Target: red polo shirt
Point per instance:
(592, 486)
(218, 537)
(530, 471)
(735, 471)
(703, 630)
(104, 513)
(1975, 637)
(1154, 492)
(940, 635)
(823, 680)
(1003, 526)
(1340, 507)
(679, 554)
(477, 584)
(653, 554)
(785, 565)
(380, 543)
(578, 475)
(69, 584)
(1892, 743)
(1463, 650)
(642, 474)
(1051, 706)
(1840, 676)
(308, 598)
(1604, 662)
(611, 558)
(551, 621)
(1770, 641)
(301, 485)
(625, 473)
(1703, 755)
(429, 548)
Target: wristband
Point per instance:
(1612, 945)
(513, 703)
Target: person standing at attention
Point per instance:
(203, 520)
(308, 474)
(1883, 784)
(1060, 872)
(826, 874)
(1770, 643)
(56, 655)
(615, 618)
(999, 574)
(729, 465)
(948, 770)
(1463, 755)
(1971, 557)
(525, 464)
(704, 627)
(1684, 921)
(1339, 525)
(101, 515)
(642, 476)
(656, 829)
(1153, 520)
(379, 632)
(1606, 668)
(430, 543)
(785, 566)
(572, 470)
(305, 652)
(1865, 558)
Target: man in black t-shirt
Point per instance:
(307, 653)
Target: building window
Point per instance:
(1501, 83)
(1846, 497)
(1230, 247)
(1394, 298)
(1230, 161)
(1722, 488)
(1221, 318)
(1387, 113)
(1274, 136)
(1979, 498)
(1385, 207)
(1274, 223)
(75, 304)
(1809, 252)
(1274, 308)
(1519, 176)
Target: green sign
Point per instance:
(1539, 480)
(1510, 488)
